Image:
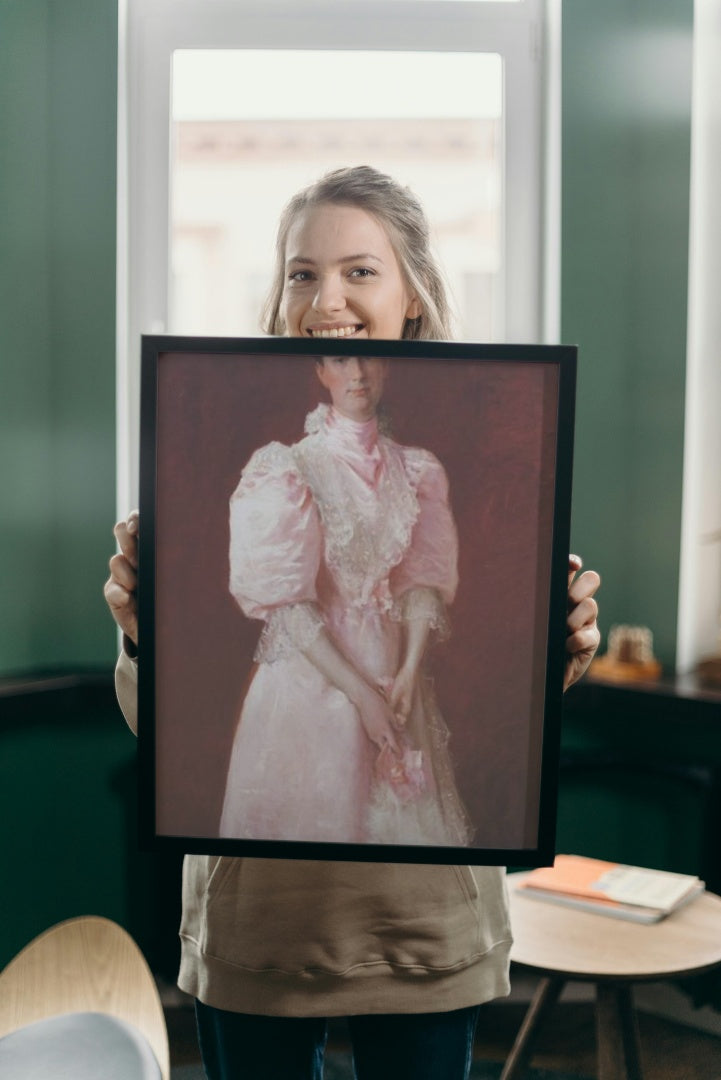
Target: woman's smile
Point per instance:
(335, 331)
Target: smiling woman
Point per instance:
(353, 258)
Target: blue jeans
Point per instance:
(415, 1046)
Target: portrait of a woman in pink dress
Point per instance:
(344, 545)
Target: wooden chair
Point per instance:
(90, 972)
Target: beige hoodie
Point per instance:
(294, 938)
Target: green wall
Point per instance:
(67, 761)
(58, 73)
(625, 200)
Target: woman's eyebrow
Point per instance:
(361, 257)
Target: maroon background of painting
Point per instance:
(493, 427)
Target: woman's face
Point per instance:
(355, 384)
(342, 277)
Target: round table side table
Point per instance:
(564, 944)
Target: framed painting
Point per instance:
(352, 597)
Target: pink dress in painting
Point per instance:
(349, 532)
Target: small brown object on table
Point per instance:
(563, 944)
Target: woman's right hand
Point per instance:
(374, 710)
(121, 587)
(377, 718)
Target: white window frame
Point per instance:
(526, 34)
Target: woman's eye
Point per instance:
(299, 276)
(362, 272)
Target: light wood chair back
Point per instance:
(87, 964)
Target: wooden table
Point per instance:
(563, 944)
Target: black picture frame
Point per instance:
(500, 419)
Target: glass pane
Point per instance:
(250, 128)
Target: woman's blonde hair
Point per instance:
(403, 217)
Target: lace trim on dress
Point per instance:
(274, 459)
(288, 629)
(362, 543)
(426, 604)
(425, 808)
(315, 420)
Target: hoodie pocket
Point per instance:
(334, 917)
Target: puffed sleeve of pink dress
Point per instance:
(426, 580)
(275, 550)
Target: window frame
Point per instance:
(526, 34)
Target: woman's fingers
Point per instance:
(584, 641)
(583, 613)
(582, 633)
(123, 572)
(387, 734)
(123, 607)
(401, 696)
(582, 587)
(126, 534)
(376, 714)
(400, 707)
(575, 562)
(120, 589)
(391, 741)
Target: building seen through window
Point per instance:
(231, 175)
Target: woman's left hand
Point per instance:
(583, 635)
(401, 695)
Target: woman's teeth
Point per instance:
(336, 332)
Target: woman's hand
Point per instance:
(121, 587)
(401, 694)
(372, 707)
(377, 718)
(403, 687)
(583, 635)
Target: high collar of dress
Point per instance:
(359, 433)
(356, 442)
